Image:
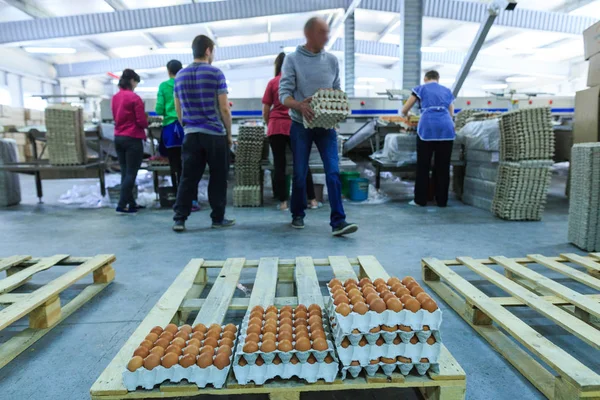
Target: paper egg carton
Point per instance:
(65, 135)
(389, 369)
(388, 337)
(330, 108)
(527, 135)
(247, 196)
(309, 372)
(202, 377)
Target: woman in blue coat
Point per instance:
(435, 137)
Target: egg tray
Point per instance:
(369, 352)
(259, 374)
(388, 337)
(389, 369)
(202, 377)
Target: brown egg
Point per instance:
(328, 359)
(271, 316)
(252, 337)
(357, 299)
(405, 298)
(230, 328)
(389, 328)
(414, 339)
(271, 309)
(379, 342)
(171, 328)
(284, 345)
(301, 334)
(141, 351)
(211, 342)
(187, 360)
(162, 342)
(334, 282)
(207, 350)
(294, 360)
(320, 344)
(286, 309)
(315, 312)
(205, 360)
(224, 350)
(255, 321)
(226, 335)
(356, 331)
(397, 287)
(284, 336)
(346, 343)
(315, 319)
(151, 362)
(402, 292)
(179, 342)
(317, 334)
(431, 340)
(242, 362)
(394, 304)
(157, 329)
(381, 288)
(388, 296)
(268, 346)
(416, 290)
(412, 285)
(269, 328)
(337, 291)
(285, 321)
(368, 289)
(215, 327)
(198, 336)
(375, 330)
(341, 299)
(372, 297)
(355, 363)
(186, 328)
(393, 281)
(169, 360)
(424, 360)
(301, 328)
(135, 363)
(184, 335)
(173, 349)
(363, 281)
(301, 314)
(256, 318)
(407, 279)
(193, 350)
(316, 327)
(404, 328)
(397, 340)
(375, 361)
(259, 309)
(200, 328)
(285, 329)
(425, 328)
(412, 305)
(153, 337)
(314, 307)
(301, 307)
(147, 344)
(212, 334)
(360, 308)
(378, 282)
(302, 344)
(194, 342)
(259, 361)
(350, 287)
(350, 282)
(311, 359)
(301, 322)
(167, 335)
(430, 305)
(422, 297)
(354, 292)
(254, 329)
(386, 360)
(159, 351)
(285, 314)
(378, 306)
(404, 359)
(250, 347)
(343, 309)
(363, 342)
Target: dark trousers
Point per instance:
(198, 150)
(302, 140)
(130, 152)
(279, 146)
(442, 150)
(175, 164)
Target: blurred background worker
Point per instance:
(435, 137)
(130, 124)
(172, 132)
(277, 117)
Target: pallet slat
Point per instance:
(566, 270)
(307, 283)
(342, 269)
(591, 265)
(12, 261)
(265, 283)
(373, 268)
(217, 302)
(19, 278)
(551, 354)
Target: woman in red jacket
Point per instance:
(277, 117)
(130, 124)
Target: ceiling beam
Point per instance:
(198, 13)
(118, 5)
(390, 27)
(572, 5)
(338, 27)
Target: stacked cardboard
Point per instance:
(586, 126)
(65, 135)
(330, 107)
(584, 207)
(10, 188)
(248, 173)
(527, 135)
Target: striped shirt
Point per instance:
(198, 87)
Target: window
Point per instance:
(5, 97)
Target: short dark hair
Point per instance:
(279, 63)
(126, 77)
(200, 44)
(432, 76)
(174, 66)
(311, 23)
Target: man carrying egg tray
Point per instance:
(304, 72)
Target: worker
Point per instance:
(435, 137)
(172, 132)
(277, 117)
(305, 71)
(130, 124)
(203, 111)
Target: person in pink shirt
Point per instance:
(130, 132)
(277, 117)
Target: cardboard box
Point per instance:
(594, 71)
(591, 40)
(586, 127)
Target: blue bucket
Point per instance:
(359, 189)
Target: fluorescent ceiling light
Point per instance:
(427, 49)
(367, 79)
(518, 79)
(289, 49)
(495, 86)
(50, 50)
(368, 87)
(174, 50)
(147, 89)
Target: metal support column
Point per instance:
(349, 61)
(412, 39)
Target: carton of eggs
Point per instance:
(285, 343)
(330, 107)
(201, 355)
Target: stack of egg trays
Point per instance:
(10, 187)
(65, 135)
(527, 135)
(522, 189)
(249, 152)
(584, 204)
(259, 374)
(193, 374)
(247, 196)
(330, 107)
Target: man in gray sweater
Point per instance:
(305, 71)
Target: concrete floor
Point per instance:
(66, 362)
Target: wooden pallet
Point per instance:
(576, 313)
(272, 275)
(43, 305)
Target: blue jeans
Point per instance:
(326, 140)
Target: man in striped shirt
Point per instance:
(203, 110)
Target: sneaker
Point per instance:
(126, 211)
(195, 206)
(226, 223)
(315, 206)
(179, 226)
(138, 207)
(298, 223)
(344, 229)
